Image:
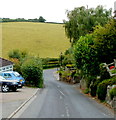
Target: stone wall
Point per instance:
(108, 99)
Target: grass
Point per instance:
(43, 39)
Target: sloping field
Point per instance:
(43, 39)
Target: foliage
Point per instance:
(86, 91)
(17, 54)
(14, 54)
(85, 55)
(82, 20)
(93, 87)
(66, 74)
(32, 71)
(112, 93)
(68, 57)
(104, 74)
(105, 42)
(102, 87)
(50, 62)
(113, 71)
(17, 57)
(29, 36)
(41, 19)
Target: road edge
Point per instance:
(22, 105)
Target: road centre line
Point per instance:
(61, 92)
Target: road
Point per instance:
(61, 100)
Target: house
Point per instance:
(5, 65)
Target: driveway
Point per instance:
(10, 101)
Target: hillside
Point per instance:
(43, 39)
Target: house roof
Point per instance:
(4, 62)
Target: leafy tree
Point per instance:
(41, 19)
(17, 57)
(105, 42)
(82, 20)
(14, 54)
(85, 55)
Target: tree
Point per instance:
(105, 42)
(41, 19)
(82, 20)
(85, 56)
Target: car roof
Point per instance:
(9, 72)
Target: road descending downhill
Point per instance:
(61, 100)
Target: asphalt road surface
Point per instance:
(61, 100)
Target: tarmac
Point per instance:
(12, 102)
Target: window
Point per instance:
(7, 67)
(3, 68)
(7, 75)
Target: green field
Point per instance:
(43, 39)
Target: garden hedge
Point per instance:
(102, 87)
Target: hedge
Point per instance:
(112, 93)
(102, 87)
(33, 72)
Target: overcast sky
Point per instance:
(51, 10)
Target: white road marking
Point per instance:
(62, 93)
(58, 86)
(67, 111)
(60, 97)
(104, 114)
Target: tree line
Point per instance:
(40, 19)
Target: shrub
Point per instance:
(102, 87)
(112, 93)
(93, 88)
(86, 91)
(33, 72)
(14, 54)
(17, 65)
(17, 54)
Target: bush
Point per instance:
(102, 87)
(112, 93)
(86, 91)
(14, 54)
(17, 65)
(93, 88)
(33, 72)
(17, 54)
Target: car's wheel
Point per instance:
(5, 88)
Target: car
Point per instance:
(13, 75)
(7, 85)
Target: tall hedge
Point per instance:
(33, 72)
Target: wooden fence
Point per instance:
(111, 70)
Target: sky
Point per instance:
(51, 10)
